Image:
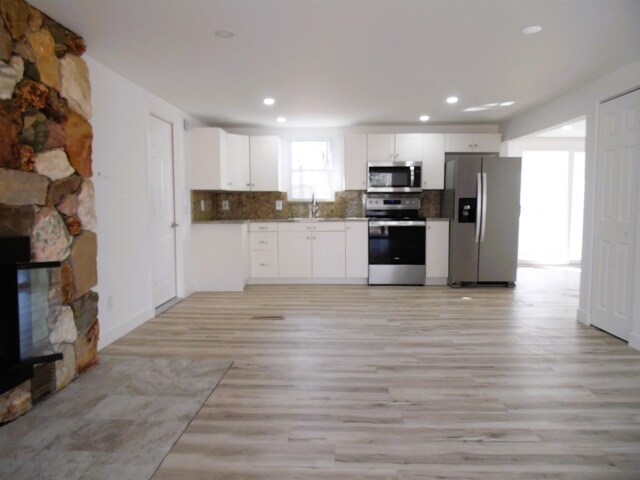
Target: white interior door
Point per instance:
(615, 215)
(163, 241)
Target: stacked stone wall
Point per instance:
(46, 191)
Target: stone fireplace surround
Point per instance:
(46, 192)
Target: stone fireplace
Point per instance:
(46, 192)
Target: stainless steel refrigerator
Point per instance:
(482, 201)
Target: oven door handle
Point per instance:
(397, 223)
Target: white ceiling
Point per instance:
(354, 62)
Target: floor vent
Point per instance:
(268, 317)
(43, 382)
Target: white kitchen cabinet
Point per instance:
(355, 158)
(265, 153)
(357, 249)
(311, 250)
(224, 161)
(205, 149)
(237, 162)
(472, 142)
(263, 246)
(437, 254)
(433, 161)
(381, 147)
(219, 257)
(294, 254)
(406, 147)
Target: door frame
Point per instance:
(150, 165)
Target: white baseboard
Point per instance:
(308, 281)
(634, 340)
(583, 317)
(107, 337)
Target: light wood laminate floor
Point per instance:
(403, 383)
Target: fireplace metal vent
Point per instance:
(43, 382)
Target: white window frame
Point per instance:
(329, 170)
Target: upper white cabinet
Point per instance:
(355, 158)
(472, 142)
(433, 161)
(237, 162)
(406, 147)
(222, 161)
(265, 152)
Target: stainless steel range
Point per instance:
(397, 236)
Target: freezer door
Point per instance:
(462, 188)
(500, 223)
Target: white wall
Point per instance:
(120, 113)
(584, 101)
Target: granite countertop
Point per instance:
(301, 219)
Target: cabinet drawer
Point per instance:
(264, 264)
(263, 241)
(263, 227)
(311, 227)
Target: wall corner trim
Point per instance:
(634, 340)
(583, 317)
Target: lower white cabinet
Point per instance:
(311, 250)
(357, 249)
(437, 255)
(263, 245)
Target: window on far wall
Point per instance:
(311, 168)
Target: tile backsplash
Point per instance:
(262, 205)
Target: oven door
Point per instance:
(397, 252)
(389, 177)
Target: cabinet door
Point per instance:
(205, 148)
(265, 163)
(433, 161)
(437, 249)
(264, 264)
(409, 147)
(237, 162)
(357, 250)
(458, 142)
(381, 148)
(355, 159)
(328, 254)
(486, 142)
(294, 254)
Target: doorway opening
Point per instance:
(552, 195)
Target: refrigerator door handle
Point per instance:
(479, 213)
(484, 206)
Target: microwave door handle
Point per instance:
(484, 206)
(479, 211)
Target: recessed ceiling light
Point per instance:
(224, 34)
(268, 101)
(567, 127)
(452, 100)
(424, 118)
(506, 104)
(492, 104)
(281, 119)
(467, 298)
(475, 109)
(530, 30)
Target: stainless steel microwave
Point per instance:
(385, 177)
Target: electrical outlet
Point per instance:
(278, 204)
(225, 204)
(202, 205)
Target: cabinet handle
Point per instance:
(229, 183)
(262, 228)
(253, 184)
(248, 184)
(263, 241)
(476, 145)
(308, 238)
(470, 145)
(264, 264)
(314, 238)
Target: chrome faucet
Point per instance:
(314, 205)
